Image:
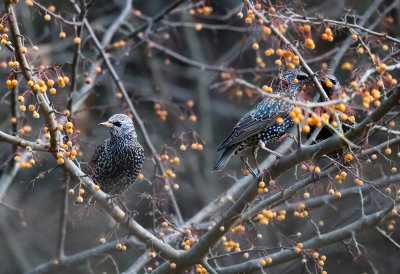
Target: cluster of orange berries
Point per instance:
(389, 78)
(169, 174)
(62, 81)
(260, 62)
(250, 16)
(165, 157)
(230, 245)
(337, 194)
(309, 43)
(119, 44)
(301, 212)
(161, 113)
(189, 105)
(304, 29)
(79, 199)
(69, 127)
(204, 10)
(200, 269)
(72, 154)
(296, 115)
(368, 97)
(327, 35)
(262, 187)
(265, 261)
(288, 56)
(13, 64)
(341, 177)
(238, 229)
(25, 130)
(298, 248)
(390, 225)
(4, 36)
(320, 260)
(188, 243)
(381, 68)
(11, 83)
(265, 216)
(358, 182)
(25, 164)
(197, 146)
(120, 247)
(348, 158)
(267, 88)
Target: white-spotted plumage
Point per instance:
(260, 123)
(116, 162)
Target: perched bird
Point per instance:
(117, 161)
(259, 126)
(333, 90)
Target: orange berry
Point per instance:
(192, 118)
(347, 66)
(266, 30)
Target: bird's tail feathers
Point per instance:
(224, 158)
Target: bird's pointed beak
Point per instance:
(106, 124)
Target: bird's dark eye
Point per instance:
(302, 76)
(333, 82)
(117, 124)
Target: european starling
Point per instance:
(117, 161)
(333, 92)
(259, 126)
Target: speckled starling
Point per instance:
(117, 161)
(333, 92)
(259, 126)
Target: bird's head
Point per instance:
(294, 80)
(121, 126)
(331, 86)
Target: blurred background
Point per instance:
(203, 47)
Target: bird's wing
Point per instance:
(262, 116)
(97, 153)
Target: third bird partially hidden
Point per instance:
(260, 125)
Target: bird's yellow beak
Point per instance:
(106, 124)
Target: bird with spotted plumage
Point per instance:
(259, 126)
(333, 90)
(117, 161)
